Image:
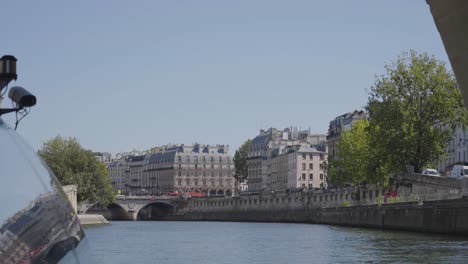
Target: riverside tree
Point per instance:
(72, 164)
(414, 110)
(352, 165)
(240, 161)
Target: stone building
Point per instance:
(197, 168)
(103, 157)
(138, 182)
(117, 174)
(456, 151)
(262, 162)
(306, 167)
(337, 126)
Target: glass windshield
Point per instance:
(37, 223)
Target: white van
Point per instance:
(459, 171)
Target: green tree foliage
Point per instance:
(414, 110)
(355, 162)
(74, 165)
(240, 161)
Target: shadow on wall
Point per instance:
(112, 212)
(155, 211)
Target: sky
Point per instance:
(123, 75)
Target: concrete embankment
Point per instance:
(447, 217)
(92, 219)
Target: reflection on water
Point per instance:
(222, 242)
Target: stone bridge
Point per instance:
(135, 208)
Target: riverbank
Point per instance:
(92, 219)
(444, 217)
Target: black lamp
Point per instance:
(7, 70)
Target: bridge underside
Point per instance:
(451, 19)
(155, 211)
(112, 212)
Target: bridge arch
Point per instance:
(113, 211)
(155, 211)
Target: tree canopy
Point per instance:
(414, 110)
(240, 161)
(72, 164)
(354, 155)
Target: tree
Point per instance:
(414, 110)
(240, 161)
(74, 165)
(355, 161)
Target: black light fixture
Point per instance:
(20, 96)
(7, 70)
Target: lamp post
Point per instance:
(18, 95)
(7, 70)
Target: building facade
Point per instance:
(266, 163)
(456, 152)
(337, 126)
(197, 168)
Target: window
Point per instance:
(321, 166)
(196, 166)
(212, 166)
(311, 176)
(187, 158)
(303, 176)
(311, 156)
(180, 166)
(321, 176)
(311, 186)
(196, 159)
(179, 182)
(212, 159)
(303, 185)
(304, 156)
(303, 166)
(321, 156)
(220, 159)
(180, 174)
(311, 166)
(204, 159)
(179, 158)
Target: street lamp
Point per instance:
(7, 70)
(20, 96)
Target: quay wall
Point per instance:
(447, 217)
(417, 203)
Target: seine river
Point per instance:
(224, 242)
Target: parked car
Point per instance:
(431, 172)
(459, 171)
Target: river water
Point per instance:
(226, 242)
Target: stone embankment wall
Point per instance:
(416, 202)
(71, 191)
(416, 188)
(92, 219)
(448, 217)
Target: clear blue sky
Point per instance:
(123, 75)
